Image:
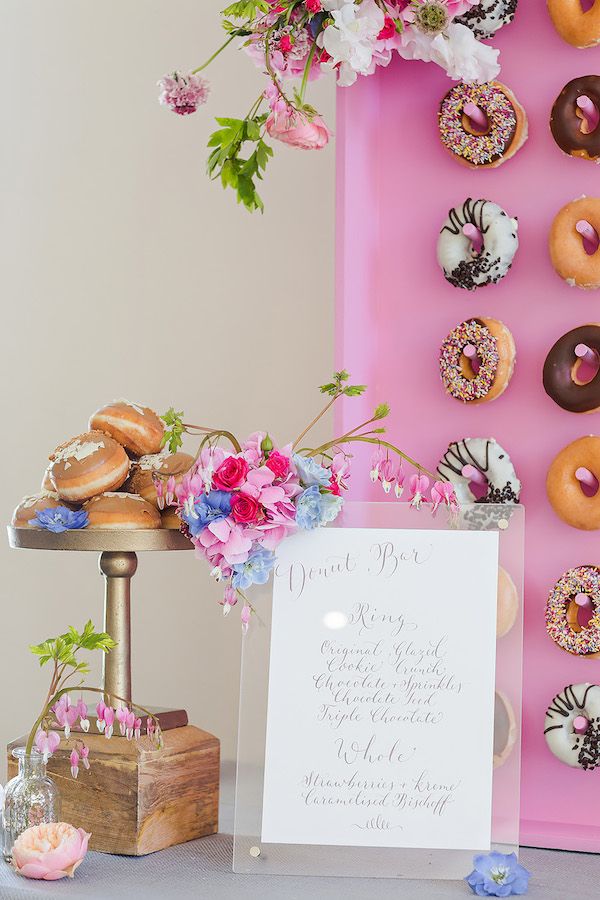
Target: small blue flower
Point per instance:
(311, 472)
(59, 518)
(314, 509)
(255, 570)
(209, 508)
(498, 875)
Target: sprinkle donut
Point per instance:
(561, 368)
(567, 248)
(463, 264)
(506, 129)
(562, 612)
(564, 490)
(488, 457)
(576, 27)
(486, 379)
(569, 126)
(488, 16)
(572, 726)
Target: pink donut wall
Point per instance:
(394, 307)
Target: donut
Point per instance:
(488, 16)
(462, 264)
(576, 27)
(564, 491)
(495, 355)
(508, 603)
(568, 124)
(562, 611)
(170, 519)
(576, 743)
(506, 130)
(137, 428)
(29, 506)
(486, 455)
(567, 249)
(165, 464)
(120, 511)
(562, 365)
(505, 728)
(87, 465)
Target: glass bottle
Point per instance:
(30, 798)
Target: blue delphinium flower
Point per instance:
(59, 518)
(209, 508)
(498, 875)
(311, 472)
(255, 570)
(314, 508)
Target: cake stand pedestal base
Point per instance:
(135, 799)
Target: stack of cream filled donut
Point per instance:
(108, 471)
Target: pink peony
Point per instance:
(225, 538)
(230, 474)
(299, 131)
(245, 510)
(183, 93)
(50, 851)
(278, 464)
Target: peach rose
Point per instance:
(49, 851)
(299, 131)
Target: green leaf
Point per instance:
(381, 411)
(246, 9)
(355, 390)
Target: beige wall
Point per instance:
(126, 273)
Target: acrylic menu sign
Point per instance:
(381, 690)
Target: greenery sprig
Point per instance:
(237, 171)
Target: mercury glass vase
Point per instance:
(30, 798)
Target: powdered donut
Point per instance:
(87, 465)
(121, 511)
(495, 358)
(576, 705)
(29, 506)
(505, 728)
(488, 16)
(561, 369)
(137, 428)
(565, 493)
(506, 130)
(562, 612)
(508, 603)
(461, 264)
(567, 250)
(165, 464)
(486, 455)
(576, 26)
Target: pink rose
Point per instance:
(231, 474)
(313, 6)
(278, 464)
(388, 31)
(245, 509)
(299, 131)
(50, 851)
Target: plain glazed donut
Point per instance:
(565, 493)
(88, 465)
(495, 357)
(141, 480)
(488, 16)
(464, 266)
(576, 27)
(508, 603)
(137, 428)
(568, 124)
(492, 460)
(578, 749)
(562, 365)
(506, 131)
(505, 728)
(567, 250)
(562, 612)
(29, 506)
(112, 511)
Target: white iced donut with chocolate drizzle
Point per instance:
(489, 459)
(465, 264)
(572, 726)
(488, 16)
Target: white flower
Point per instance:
(351, 39)
(457, 51)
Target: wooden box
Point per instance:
(135, 799)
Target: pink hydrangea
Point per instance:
(183, 93)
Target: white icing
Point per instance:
(121, 494)
(138, 409)
(153, 461)
(488, 17)
(26, 502)
(474, 451)
(562, 741)
(500, 243)
(77, 449)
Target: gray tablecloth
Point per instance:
(202, 869)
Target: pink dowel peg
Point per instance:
(589, 235)
(474, 235)
(586, 354)
(590, 112)
(473, 475)
(580, 724)
(583, 600)
(471, 353)
(586, 477)
(477, 116)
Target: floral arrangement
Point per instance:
(237, 503)
(300, 40)
(50, 851)
(498, 875)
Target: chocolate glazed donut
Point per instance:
(560, 371)
(566, 119)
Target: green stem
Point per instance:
(312, 424)
(214, 56)
(372, 440)
(307, 68)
